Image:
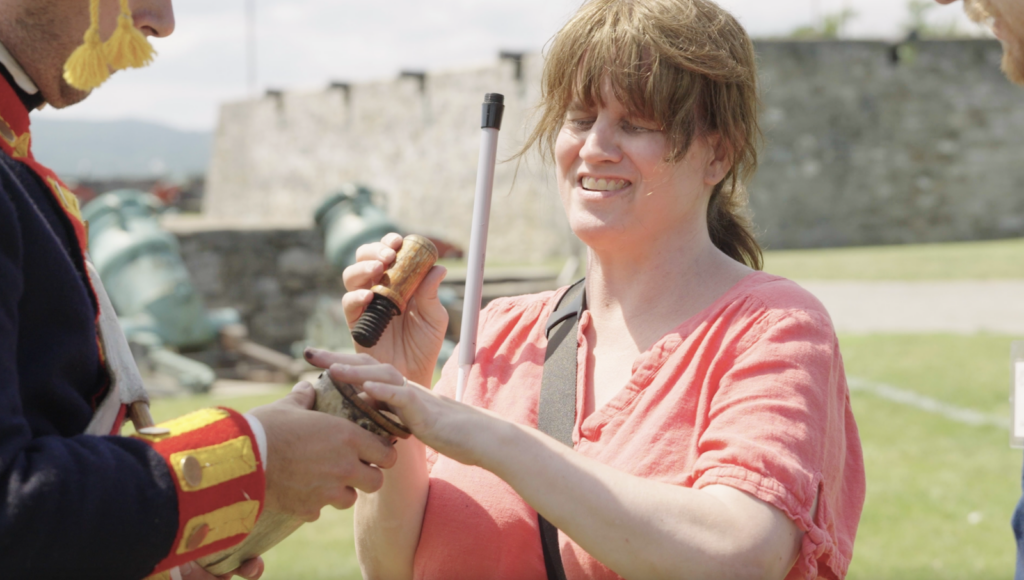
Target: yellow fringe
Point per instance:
(87, 69)
(127, 47)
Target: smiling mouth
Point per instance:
(592, 184)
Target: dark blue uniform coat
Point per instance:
(74, 506)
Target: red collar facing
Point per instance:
(16, 142)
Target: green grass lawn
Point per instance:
(987, 260)
(940, 493)
(990, 260)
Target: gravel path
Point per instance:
(964, 307)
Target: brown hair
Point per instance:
(685, 64)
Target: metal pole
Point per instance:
(490, 124)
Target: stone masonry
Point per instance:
(865, 144)
(273, 277)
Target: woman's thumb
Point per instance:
(431, 282)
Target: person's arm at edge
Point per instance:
(714, 532)
(388, 522)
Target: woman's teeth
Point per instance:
(604, 184)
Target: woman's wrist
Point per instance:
(422, 378)
(494, 443)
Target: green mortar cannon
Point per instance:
(142, 269)
(349, 219)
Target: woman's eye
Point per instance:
(632, 128)
(581, 123)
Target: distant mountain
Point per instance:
(119, 149)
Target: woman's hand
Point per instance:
(456, 430)
(413, 340)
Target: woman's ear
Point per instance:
(719, 159)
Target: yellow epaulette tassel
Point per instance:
(87, 69)
(127, 47)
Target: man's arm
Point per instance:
(114, 506)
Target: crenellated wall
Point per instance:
(860, 149)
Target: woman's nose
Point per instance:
(601, 144)
(153, 17)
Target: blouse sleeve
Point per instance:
(780, 426)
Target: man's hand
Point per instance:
(250, 570)
(315, 459)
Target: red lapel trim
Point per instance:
(16, 142)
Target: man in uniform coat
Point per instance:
(1006, 18)
(79, 505)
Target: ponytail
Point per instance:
(730, 227)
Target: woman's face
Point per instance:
(618, 191)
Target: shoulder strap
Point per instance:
(556, 415)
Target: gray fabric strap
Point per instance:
(556, 415)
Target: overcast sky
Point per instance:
(308, 43)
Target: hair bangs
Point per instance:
(619, 43)
(685, 65)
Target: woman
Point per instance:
(714, 436)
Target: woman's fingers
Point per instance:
(324, 358)
(406, 399)
(396, 396)
(354, 374)
(363, 275)
(371, 261)
(384, 250)
(411, 403)
(451, 428)
(354, 304)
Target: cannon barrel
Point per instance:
(349, 219)
(141, 267)
(159, 309)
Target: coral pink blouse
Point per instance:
(749, 393)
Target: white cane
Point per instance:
(490, 124)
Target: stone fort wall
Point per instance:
(864, 144)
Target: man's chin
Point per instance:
(66, 96)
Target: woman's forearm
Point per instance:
(387, 523)
(641, 528)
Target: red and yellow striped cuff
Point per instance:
(215, 464)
